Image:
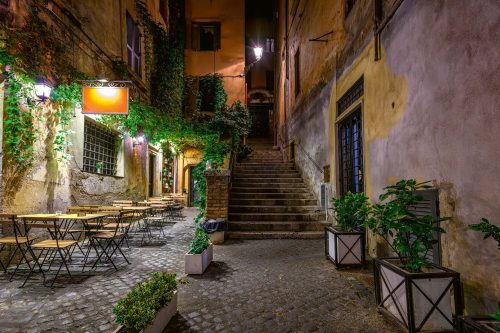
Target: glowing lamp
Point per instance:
(42, 89)
(258, 51)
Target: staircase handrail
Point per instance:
(287, 144)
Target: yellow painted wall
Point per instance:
(229, 61)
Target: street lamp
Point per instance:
(42, 89)
(258, 51)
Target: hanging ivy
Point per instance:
(164, 57)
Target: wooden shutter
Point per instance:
(430, 206)
(195, 36)
(217, 37)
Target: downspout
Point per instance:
(378, 28)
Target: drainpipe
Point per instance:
(379, 27)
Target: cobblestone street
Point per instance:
(252, 286)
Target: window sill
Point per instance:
(102, 175)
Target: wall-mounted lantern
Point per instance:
(258, 51)
(43, 89)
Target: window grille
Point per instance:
(99, 146)
(351, 96)
(351, 154)
(133, 45)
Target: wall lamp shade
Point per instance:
(258, 51)
(42, 89)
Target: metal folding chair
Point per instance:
(19, 241)
(110, 241)
(49, 250)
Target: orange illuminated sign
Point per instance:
(105, 100)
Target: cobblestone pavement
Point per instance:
(252, 286)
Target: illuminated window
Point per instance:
(133, 45)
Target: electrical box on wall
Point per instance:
(323, 196)
(326, 174)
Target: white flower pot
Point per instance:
(161, 320)
(421, 302)
(345, 248)
(198, 263)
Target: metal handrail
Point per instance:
(287, 144)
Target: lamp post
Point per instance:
(42, 89)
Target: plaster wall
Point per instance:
(51, 185)
(429, 112)
(229, 60)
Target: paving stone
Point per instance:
(252, 286)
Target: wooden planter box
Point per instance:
(479, 324)
(345, 248)
(161, 321)
(198, 263)
(420, 302)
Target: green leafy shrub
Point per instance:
(489, 230)
(244, 151)
(412, 237)
(138, 309)
(351, 211)
(200, 241)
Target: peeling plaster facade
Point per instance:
(50, 185)
(428, 110)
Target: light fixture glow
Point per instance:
(107, 92)
(258, 51)
(42, 89)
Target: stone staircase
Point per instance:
(269, 199)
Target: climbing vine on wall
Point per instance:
(164, 57)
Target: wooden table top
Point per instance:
(47, 217)
(138, 208)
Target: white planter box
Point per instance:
(162, 318)
(421, 302)
(217, 237)
(345, 248)
(198, 263)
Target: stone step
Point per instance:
(270, 190)
(274, 234)
(269, 185)
(277, 226)
(261, 171)
(239, 175)
(259, 200)
(263, 165)
(258, 180)
(235, 209)
(312, 216)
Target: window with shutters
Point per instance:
(99, 145)
(429, 205)
(269, 46)
(206, 36)
(133, 45)
(296, 61)
(350, 138)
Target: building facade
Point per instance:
(215, 45)
(131, 169)
(370, 92)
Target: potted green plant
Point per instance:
(345, 241)
(99, 167)
(149, 306)
(490, 323)
(200, 253)
(420, 295)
